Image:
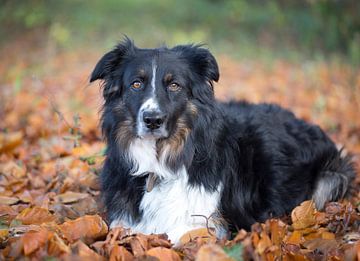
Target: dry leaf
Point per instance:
(202, 233)
(212, 252)
(33, 240)
(138, 245)
(8, 200)
(4, 233)
(70, 197)
(57, 246)
(163, 254)
(35, 215)
(119, 253)
(303, 216)
(9, 141)
(88, 228)
(84, 252)
(264, 243)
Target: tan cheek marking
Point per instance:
(192, 108)
(176, 142)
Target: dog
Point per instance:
(179, 160)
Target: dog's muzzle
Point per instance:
(153, 119)
(152, 123)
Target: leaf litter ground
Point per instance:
(51, 154)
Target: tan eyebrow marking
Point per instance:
(142, 73)
(168, 77)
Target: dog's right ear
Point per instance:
(110, 61)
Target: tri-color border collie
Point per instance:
(178, 160)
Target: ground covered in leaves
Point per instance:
(51, 154)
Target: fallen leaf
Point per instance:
(138, 245)
(212, 252)
(324, 245)
(4, 233)
(87, 228)
(9, 141)
(119, 253)
(8, 200)
(11, 169)
(70, 197)
(202, 233)
(303, 216)
(35, 215)
(264, 243)
(163, 254)
(84, 252)
(33, 240)
(57, 246)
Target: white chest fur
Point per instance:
(171, 205)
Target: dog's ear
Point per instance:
(111, 60)
(203, 63)
(201, 60)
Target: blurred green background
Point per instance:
(291, 29)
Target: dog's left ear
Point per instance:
(201, 60)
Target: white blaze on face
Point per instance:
(151, 104)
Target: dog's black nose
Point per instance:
(153, 120)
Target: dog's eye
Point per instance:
(174, 87)
(136, 85)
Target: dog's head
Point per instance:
(154, 93)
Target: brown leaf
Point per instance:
(9, 141)
(11, 169)
(139, 245)
(163, 254)
(57, 246)
(158, 241)
(84, 252)
(8, 200)
(88, 228)
(35, 215)
(34, 240)
(295, 238)
(4, 233)
(119, 253)
(212, 252)
(70, 197)
(264, 243)
(303, 216)
(324, 245)
(202, 233)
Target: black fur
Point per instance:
(267, 160)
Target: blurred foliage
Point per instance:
(258, 27)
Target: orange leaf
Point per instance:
(34, 240)
(202, 233)
(9, 141)
(264, 243)
(163, 254)
(295, 238)
(119, 253)
(87, 227)
(57, 246)
(70, 197)
(35, 215)
(8, 200)
(303, 216)
(84, 252)
(212, 252)
(139, 244)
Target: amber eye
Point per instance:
(174, 87)
(136, 85)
